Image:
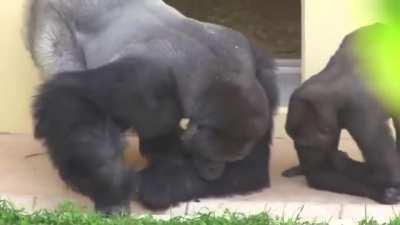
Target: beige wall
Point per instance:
(17, 74)
(325, 23)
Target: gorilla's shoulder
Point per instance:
(224, 35)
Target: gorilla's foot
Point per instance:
(160, 193)
(293, 172)
(389, 195)
(209, 170)
(340, 160)
(169, 181)
(113, 210)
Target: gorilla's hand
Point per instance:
(207, 169)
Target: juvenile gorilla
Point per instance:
(82, 115)
(337, 98)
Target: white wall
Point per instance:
(325, 23)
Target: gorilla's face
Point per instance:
(215, 145)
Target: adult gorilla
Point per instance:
(223, 84)
(338, 98)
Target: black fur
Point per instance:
(172, 177)
(81, 116)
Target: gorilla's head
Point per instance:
(216, 145)
(226, 126)
(211, 149)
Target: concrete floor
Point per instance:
(30, 182)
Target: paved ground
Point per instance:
(30, 181)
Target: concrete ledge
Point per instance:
(29, 180)
(288, 62)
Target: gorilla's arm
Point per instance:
(81, 117)
(50, 39)
(85, 147)
(369, 128)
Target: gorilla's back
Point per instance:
(198, 53)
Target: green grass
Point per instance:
(69, 214)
